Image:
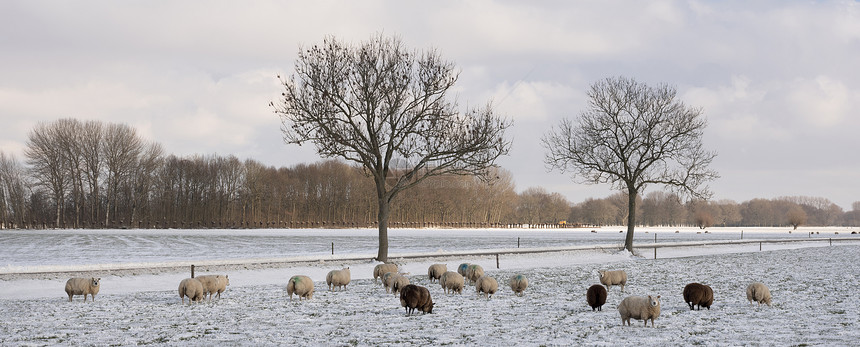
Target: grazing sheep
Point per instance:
(463, 269)
(474, 272)
(453, 281)
(302, 286)
(639, 307)
(193, 289)
(518, 284)
(416, 297)
(83, 286)
(596, 296)
(487, 285)
(609, 278)
(698, 294)
(758, 292)
(213, 284)
(388, 280)
(381, 269)
(398, 283)
(435, 271)
(338, 279)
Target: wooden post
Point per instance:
(332, 248)
(192, 270)
(518, 242)
(742, 234)
(831, 240)
(655, 251)
(497, 260)
(655, 240)
(759, 246)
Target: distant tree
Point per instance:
(379, 104)
(48, 165)
(704, 219)
(796, 216)
(632, 135)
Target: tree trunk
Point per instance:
(384, 211)
(631, 218)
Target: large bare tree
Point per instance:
(389, 109)
(632, 135)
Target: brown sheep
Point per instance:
(416, 297)
(698, 294)
(596, 296)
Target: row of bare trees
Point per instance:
(93, 175)
(661, 208)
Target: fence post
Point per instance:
(192, 270)
(742, 234)
(497, 260)
(332, 248)
(831, 240)
(759, 246)
(518, 242)
(655, 251)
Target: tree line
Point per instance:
(90, 174)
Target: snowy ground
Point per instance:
(815, 288)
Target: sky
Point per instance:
(778, 81)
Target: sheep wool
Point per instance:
(381, 269)
(338, 279)
(414, 297)
(474, 272)
(388, 280)
(214, 284)
(435, 271)
(518, 284)
(193, 289)
(758, 292)
(610, 278)
(452, 281)
(83, 286)
(639, 307)
(486, 285)
(463, 269)
(698, 294)
(596, 296)
(398, 283)
(302, 286)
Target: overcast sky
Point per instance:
(779, 81)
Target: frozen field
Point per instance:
(815, 289)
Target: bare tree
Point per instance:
(796, 216)
(48, 166)
(379, 101)
(13, 192)
(632, 135)
(121, 150)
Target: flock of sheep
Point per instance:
(414, 297)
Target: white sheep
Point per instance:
(388, 280)
(463, 269)
(609, 278)
(338, 278)
(758, 292)
(639, 307)
(518, 284)
(452, 281)
(398, 283)
(381, 269)
(474, 272)
(83, 286)
(193, 289)
(487, 285)
(302, 286)
(435, 271)
(213, 284)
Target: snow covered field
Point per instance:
(815, 288)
